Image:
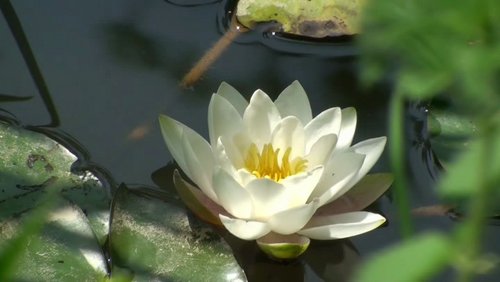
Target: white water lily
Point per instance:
(271, 168)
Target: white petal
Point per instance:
(301, 185)
(341, 225)
(173, 132)
(340, 169)
(260, 118)
(244, 229)
(228, 154)
(199, 161)
(347, 128)
(233, 96)
(289, 133)
(292, 220)
(245, 177)
(321, 151)
(327, 122)
(234, 198)
(269, 197)
(293, 101)
(223, 119)
(372, 149)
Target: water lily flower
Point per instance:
(272, 172)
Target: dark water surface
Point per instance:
(113, 66)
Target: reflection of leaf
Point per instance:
(9, 98)
(307, 18)
(414, 260)
(131, 46)
(157, 241)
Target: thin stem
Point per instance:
(24, 46)
(398, 164)
(213, 54)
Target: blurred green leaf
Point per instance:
(458, 48)
(463, 177)
(158, 242)
(417, 259)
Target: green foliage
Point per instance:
(449, 48)
(413, 260)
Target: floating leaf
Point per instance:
(31, 163)
(156, 241)
(65, 250)
(306, 18)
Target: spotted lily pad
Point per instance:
(69, 244)
(31, 163)
(66, 248)
(155, 240)
(306, 18)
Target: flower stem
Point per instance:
(398, 164)
(470, 241)
(212, 54)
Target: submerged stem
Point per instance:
(213, 54)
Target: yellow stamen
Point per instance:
(265, 164)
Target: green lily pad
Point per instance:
(69, 243)
(31, 163)
(307, 18)
(66, 248)
(157, 241)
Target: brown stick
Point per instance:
(212, 54)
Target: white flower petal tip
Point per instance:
(283, 247)
(342, 225)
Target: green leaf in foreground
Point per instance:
(157, 241)
(318, 18)
(470, 169)
(413, 260)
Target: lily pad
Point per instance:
(31, 163)
(66, 248)
(306, 18)
(157, 241)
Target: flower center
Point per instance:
(267, 165)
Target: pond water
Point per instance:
(111, 67)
